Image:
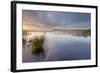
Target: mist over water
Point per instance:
(59, 46)
(67, 47)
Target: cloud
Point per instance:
(50, 19)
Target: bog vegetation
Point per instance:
(37, 44)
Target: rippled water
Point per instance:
(58, 47)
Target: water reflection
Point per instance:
(58, 46)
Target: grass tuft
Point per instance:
(37, 44)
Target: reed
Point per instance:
(37, 44)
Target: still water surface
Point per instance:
(59, 47)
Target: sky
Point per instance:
(40, 20)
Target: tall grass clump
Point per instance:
(37, 44)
